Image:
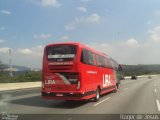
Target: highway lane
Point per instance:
(20, 92)
(138, 97)
(134, 96)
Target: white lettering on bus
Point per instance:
(60, 63)
(61, 56)
(49, 82)
(91, 72)
(106, 80)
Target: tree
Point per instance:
(1, 65)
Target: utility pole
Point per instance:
(118, 33)
(10, 61)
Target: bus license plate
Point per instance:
(59, 95)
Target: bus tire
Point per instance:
(116, 88)
(97, 95)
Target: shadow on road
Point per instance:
(38, 101)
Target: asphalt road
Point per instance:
(141, 96)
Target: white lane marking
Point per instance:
(155, 90)
(158, 105)
(102, 101)
(125, 89)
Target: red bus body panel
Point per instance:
(55, 77)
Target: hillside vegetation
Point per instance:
(140, 69)
(25, 76)
(31, 76)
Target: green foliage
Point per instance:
(20, 77)
(2, 66)
(129, 70)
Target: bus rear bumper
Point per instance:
(67, 96)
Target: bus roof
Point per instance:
(83, 46)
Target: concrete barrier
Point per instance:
(141, 76)
(23, 85)
(127, 77)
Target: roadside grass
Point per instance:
(20, 77)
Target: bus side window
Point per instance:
(101, 61)
(98, 61)
(84, 57)
(91, 58)
(113, 65)
(108, 63)
(88, 57)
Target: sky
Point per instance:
(126, 30)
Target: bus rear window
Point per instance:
(61, 53)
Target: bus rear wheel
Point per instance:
(116, 88)
(97, 95)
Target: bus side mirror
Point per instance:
(119, 67)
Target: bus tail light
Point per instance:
(78, 85)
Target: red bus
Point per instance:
(73, 71)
